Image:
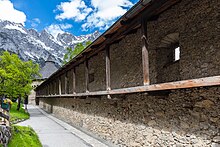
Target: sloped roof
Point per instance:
(48, 69)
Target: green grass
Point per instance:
(21, 136)
(24, 137)
(17, 115)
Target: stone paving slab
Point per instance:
(53, 132)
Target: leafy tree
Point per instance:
(71, 53)
(16, 76)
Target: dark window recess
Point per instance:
(171, 48)
(91, 77)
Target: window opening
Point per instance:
(177, 54)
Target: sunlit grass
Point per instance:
(24, 137)
(16, 115)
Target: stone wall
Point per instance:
(126, 62)
(198, 25)
(188, 117)
(96, 67)
(80, 78)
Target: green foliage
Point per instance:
(24, 137)
(16, 75)
(17, 115)
(71, 53)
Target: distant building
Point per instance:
(46, 71)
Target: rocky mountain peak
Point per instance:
(30, 44)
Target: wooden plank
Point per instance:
(107, 68)
(201, 82)
(51, 88)
(5, 117)
(55, 87)
(145, 58)
(86, 75)
(48, 89)
(74, 80)
(2, 114)
(59, 85)
(65, 83)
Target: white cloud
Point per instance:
(55, 29)
(100, 14)
(8, 12)
(106, 12)
(65, 26)
(35, 22)
(75, 9)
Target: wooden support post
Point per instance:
(107, 69)
(65, 83)
(145, 58)
(74, 80)
(55, 87)
(48, 89)
(51, 87)
(87, 75)
(59, 85)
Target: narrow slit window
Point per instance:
(177, 54)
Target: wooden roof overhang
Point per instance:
(144, 9)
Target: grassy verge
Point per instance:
(21, 136)
(24, 137)
(16, 116)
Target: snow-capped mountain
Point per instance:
(37, 46)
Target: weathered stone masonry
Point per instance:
(197, 23)
(187, 117)
(180, 117)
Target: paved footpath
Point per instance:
(53, 132)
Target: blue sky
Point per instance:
(74, 16)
